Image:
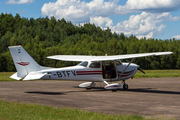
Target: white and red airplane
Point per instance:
(91, 69)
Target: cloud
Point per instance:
(145, 24)
(19, 2)
(177, 36)
(81, 11)
(100, 7)
(21, 11)
(152, 5)
(73, 10)
(100, 21)
(148, 23)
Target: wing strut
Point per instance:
(106, 82)
(126, 67)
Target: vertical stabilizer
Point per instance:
(23, 62)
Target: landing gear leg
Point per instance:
(89, 87)
(125, 86)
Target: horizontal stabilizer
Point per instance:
(14, 76)
(34, 76)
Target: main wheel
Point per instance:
(114, 90)
(125, 86)
(88, 88)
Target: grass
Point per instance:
(157, 73)
(5, 76)
(17, 111)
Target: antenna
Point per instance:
(89, 53)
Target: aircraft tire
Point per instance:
(114, 90)
(88, 88)
(125, 86)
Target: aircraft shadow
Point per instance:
(146, 90)
(97, 89)
(101, 89)
(151, 90)
(46, 93)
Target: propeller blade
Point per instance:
(141, 70)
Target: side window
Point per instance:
(84, 63)
(118, 62)
(95, 65)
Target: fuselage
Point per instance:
(92, 71)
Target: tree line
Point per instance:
(44, 37)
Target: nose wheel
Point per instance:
(125, 86)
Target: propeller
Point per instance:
(138, 67)
(141, 70)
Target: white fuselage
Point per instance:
(89, 73)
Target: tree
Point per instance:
(43, 37)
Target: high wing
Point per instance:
(104, 58)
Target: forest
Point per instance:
(44, 37)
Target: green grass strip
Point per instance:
(19, 111)
(5, 76)
(157, 73)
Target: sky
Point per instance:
(143, 18)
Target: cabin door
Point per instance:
(109, 69)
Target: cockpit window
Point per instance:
(84, 63)
(118, 62)
(95, 65)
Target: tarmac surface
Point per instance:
(145, 96)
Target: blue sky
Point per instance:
(144, 18)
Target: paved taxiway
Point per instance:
(146, 96)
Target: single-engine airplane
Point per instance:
(91, 69)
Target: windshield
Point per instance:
(118, 62)
(84, 63)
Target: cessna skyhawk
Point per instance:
(91, 69)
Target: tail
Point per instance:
(24, 63)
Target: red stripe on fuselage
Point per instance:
(126, 75)
(88, 72)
